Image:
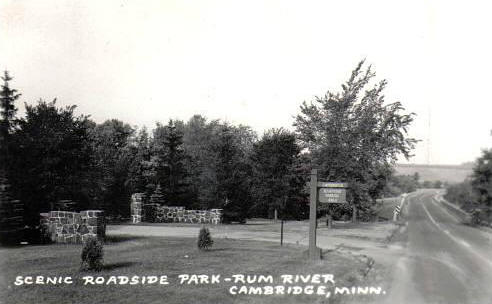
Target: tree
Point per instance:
(399, 184)
(8, 96)
(232, 173)
(217, 160)
(92, 255)
(437, 184)
(204, 239)
(112, 157)
(463, 195)
(197, 139)
(157, 197)
(169, 161)
(481, 182)
(352, 135)
(140, 175)
(53, 158)
(426, 184)
(273, 160)
(11, 222)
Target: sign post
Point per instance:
(325, 193)
(314, 252)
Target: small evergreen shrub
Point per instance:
(204, 239)
(92, 254)
(157, 196)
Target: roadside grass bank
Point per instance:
(387, 207)
(467, 217)
(146, 256)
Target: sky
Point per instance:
(255, 62)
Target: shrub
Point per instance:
(475, 217)
(462, 195)
(204, 239)
(92, 254)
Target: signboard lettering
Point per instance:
(332, 195)
(331, 185)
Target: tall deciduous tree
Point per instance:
(197, 140)
(273, 161)
(481, 182)
(353, 134)
(112, 158)
(140, 175)
(230, 181)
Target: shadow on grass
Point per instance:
(11, 246)
(349, 225)
(218, 249)
(258, 223)
(121, 238)
(118, 265)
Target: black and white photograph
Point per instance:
(223, 151)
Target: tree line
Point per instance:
(474, 195)
(399, 184)
(53, 157)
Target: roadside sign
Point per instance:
(332, 185)
(325, 193)
(332, 195)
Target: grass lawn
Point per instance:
(143, 256)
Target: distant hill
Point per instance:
(445, 173)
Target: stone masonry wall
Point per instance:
(136, 207)
(73, 227)
(155, 213)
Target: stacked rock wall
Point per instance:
(173, 214)
(136, 207)
(155, 213)
(73, 227)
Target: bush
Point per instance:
(463, 195)
(475, 217)
(92, 254)
(204, 239)
(399, 184)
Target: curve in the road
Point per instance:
(445, 261)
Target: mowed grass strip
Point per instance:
(143, 256)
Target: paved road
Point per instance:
(442, 260)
